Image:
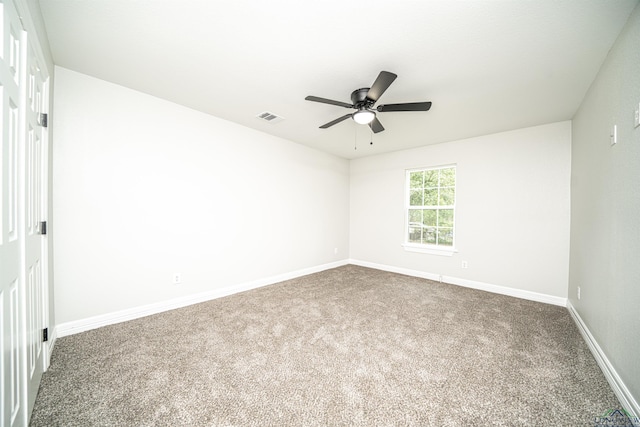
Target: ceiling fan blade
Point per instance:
(381, 84)
(328, 101)
(336, 121)
(376, 126)
(408, 106)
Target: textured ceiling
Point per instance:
(487, 66)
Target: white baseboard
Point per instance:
(617, 385)
(496, 289)
(77, 326)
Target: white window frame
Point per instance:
(433, 249)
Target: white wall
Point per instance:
(144, 188)
(512, 209)
(605, 209)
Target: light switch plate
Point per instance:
(636, 116)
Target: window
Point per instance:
(430, 208)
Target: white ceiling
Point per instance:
(487, 66)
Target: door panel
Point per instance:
(12, 411)
(23, 250)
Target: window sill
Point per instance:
(411, 247)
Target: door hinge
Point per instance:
(45, 335)
(43, 120)
(43, 227)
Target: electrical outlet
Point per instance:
(636, 117)
(335, 251)
(578, 292)
(464, 264)
(177, 278)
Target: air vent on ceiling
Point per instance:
(270, 117)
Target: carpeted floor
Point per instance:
(348, 346)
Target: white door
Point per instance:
(24, 87)
(35, 173)
(12, 410)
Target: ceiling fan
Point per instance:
(363, 101)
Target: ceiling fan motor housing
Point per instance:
(360, 100)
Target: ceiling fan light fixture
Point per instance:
(363, 116)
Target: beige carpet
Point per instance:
(349, 346)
